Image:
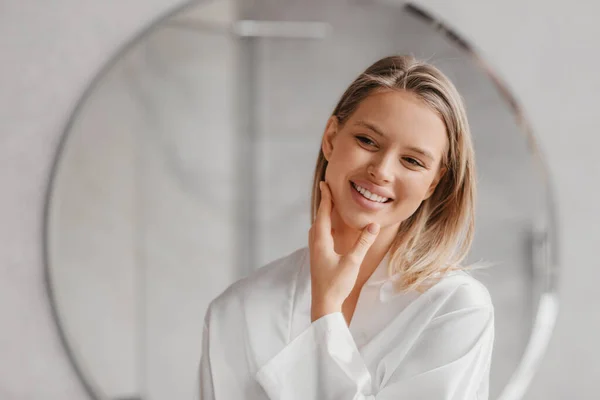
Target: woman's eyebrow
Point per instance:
(422, 152)
(370, 126)
(378, 131)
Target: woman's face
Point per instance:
(391, 146)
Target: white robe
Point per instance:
(259, 342)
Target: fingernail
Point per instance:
(373, 228)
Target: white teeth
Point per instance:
(369, 195)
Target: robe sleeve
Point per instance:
(206, 380)
(449, 360)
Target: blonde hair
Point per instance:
(438, 235)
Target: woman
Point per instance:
(377, 306)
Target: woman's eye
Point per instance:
(413, 162)
(365, 140)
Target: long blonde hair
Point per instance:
(438, 235)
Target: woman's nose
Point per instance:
(381, 169)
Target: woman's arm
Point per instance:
(449, 360)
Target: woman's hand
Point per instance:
(333, 276)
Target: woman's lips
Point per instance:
(374, 189)
(364, 202)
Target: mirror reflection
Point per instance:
(189, 164)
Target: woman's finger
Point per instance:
(357, 254)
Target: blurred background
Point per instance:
(154, 152)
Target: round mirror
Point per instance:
(188, 163)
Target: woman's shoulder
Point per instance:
(460, 290)
(269, 283)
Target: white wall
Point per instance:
(50, 50)
(49, 53)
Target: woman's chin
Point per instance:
(357, 222)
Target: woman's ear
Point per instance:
(440, 174)
(328, 136)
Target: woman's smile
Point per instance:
(366, 199)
